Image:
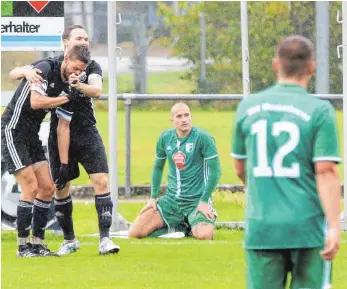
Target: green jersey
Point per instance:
(187, 157)
(281, 132)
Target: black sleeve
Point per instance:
(46, 69)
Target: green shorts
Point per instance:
(175, 214)
(268, 269)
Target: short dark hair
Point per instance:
(294, 53)
(67, 31)
(79, 52)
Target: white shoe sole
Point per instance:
(112, 251)
(65, 254)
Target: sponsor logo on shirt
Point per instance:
(179, 159)
(189, 147)
(169, 148)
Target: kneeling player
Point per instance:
(194, 171)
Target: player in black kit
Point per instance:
(85, 147)
(21, 147)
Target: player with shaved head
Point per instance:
(194, 171)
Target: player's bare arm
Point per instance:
(240, 169)
(39, 101)
(329, 190)
(92, 89)
(32, 74)
(63, 133)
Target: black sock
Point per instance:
(40, 217)
(24, 218)
(104, 205)
(63, 212)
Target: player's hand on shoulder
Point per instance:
(151, 204)
(33, 75)
(205, 209)
(332, 244)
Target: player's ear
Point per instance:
(66, 59)
(275, 64)
(311, 67)
(65, 43)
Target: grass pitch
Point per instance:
(146, 127)
(146, 264)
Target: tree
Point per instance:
(268, 22)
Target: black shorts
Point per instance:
(19, 150)
(86, 148)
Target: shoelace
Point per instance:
(44, 247)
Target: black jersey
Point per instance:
(19, 116)
(83, 110)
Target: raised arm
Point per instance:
(29, 72)
(93, 89)
(93, 86)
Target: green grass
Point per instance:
(158, 82)
(149, 263)
(147, 126)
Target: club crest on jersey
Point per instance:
(189, 147)
(179, 159)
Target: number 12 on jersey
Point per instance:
(263, 169)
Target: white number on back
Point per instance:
(278, 170)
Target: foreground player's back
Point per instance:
(285, 130)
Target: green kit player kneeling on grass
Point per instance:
(194, 171)
(286, 151)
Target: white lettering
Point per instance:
(279, 108)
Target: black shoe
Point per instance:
(26, 251)
(41, 250)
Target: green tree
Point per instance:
(268, 22)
